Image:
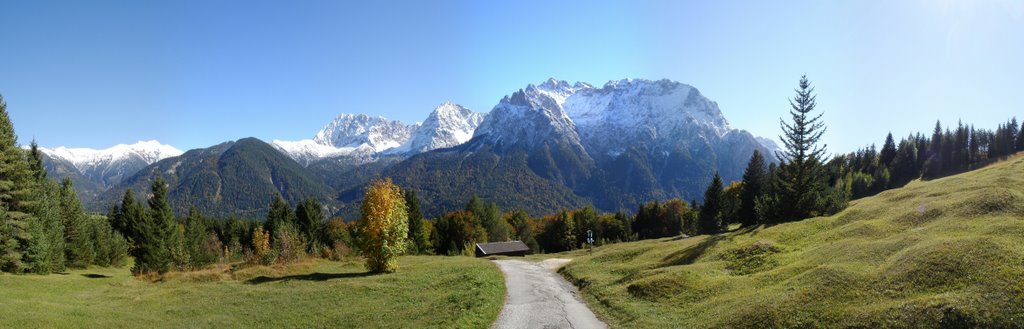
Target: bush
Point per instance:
(336, 252)
(289, 244)
(260, 252)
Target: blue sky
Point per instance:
(193, 74)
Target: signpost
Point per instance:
(590, 240)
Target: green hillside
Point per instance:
(427, 292)
(942, 253)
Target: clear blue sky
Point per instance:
(193, 74)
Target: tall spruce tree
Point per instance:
(129, 217)
(156, 241)
(801, 174)
(419, 238)
(309, 217)
(77, 249)
(17, 192)
(280, 214)
(710, 218)
(1020, 138)
(888, 152)
(753, 181)
(46, 250)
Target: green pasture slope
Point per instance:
(943, 253)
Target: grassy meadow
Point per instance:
(942, 253)
(426, 292)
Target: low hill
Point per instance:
(942, 253)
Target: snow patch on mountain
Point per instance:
(363, 138)
(108, 167)
(528, 119)
(447, 126)
(85, 159)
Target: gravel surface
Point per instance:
(538, 297)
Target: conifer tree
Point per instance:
(309, 216)
(419, 238)
(196, 235)
(155, 238)
(35, 162)
(17, 189)
(801, 178)
(1020, 138)
(130, 216)
(888, 151)
(753, 180)
(77, 249)
(710, 219)
(280, 214)
(45, 253)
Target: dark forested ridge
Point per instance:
(237, 178)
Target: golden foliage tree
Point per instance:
(384, 226)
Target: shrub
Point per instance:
(260, 252)
(288, 243)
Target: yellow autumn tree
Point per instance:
(383, 227)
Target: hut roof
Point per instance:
(497, 248)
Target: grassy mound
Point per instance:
(942, 253)
(426, 292)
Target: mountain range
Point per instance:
(542, 148)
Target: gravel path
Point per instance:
(538, 297)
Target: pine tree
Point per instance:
(1020, 138)
(77, 248)
(974, 151)
(280, 214)
(753, 180)
(45, 253)
(801, 178)
(888, 151)
(309, 216)
(1013, 134)
(17, 192)
(155, 239)
(196, 236)
(35, 162)
(419, 238)
(710, 220)
(129, 217)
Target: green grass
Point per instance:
(427, 291)
(942, 253)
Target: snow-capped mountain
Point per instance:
(660, 115)
(631, 112)
(527, 119)
(360, 138)
(107, 167)
(447, 126)
(359, 130)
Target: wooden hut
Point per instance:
(510, 248)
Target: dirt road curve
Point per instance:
(538, 297)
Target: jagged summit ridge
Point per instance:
(448, 125)
(363, 138)
(86, 158)
(108, 166)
